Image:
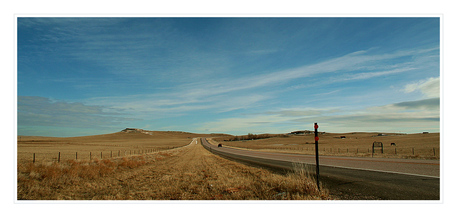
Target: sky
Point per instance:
(86, 76)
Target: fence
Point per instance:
(388, 151)
(91, 155)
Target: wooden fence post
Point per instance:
(101, 155)
(34, 158)
(90, 156)
(59, 157)
(413, 151)
(434, 152)
(76, 155)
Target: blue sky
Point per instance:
(86, 76)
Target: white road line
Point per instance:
(383, 171)
(353, 168)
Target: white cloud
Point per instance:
(429, 87)
(409, 117)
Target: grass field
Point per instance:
(423, 146)
(186, 173)
(154, 165)
(121, 144)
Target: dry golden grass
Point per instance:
(187, 173)
(424, 146)
(119, 144)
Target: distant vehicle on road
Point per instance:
(220, 145)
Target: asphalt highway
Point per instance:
(351, 177)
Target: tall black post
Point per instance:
(317, 155)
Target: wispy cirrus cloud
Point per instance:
(265, 73)
(367, 75)
(421, 114)
(40, 111)
(411, 115)
(227, 94)
(360, 60)
(303, 112)
(175, 104)
(246, 124)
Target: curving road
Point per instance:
(352, 177)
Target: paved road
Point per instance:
(355, 178)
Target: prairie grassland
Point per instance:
(423, 146)
(186, 173)
(121, 144)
